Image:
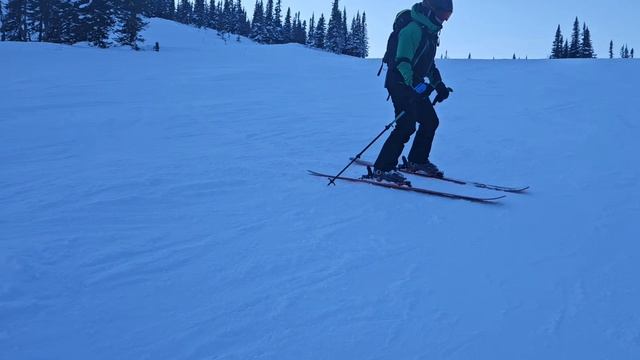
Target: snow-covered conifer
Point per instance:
(287, 27)
(199, 13)
(333, 41)
(99, 22)
(558, 42)
(587, 45)
(320, 33)
(14, 26)
(575, 48)
(131, 24)
(312, 30)
(611, 50)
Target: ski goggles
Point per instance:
(443, 15)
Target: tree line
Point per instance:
(580, 46)
(72, 21)
(93, 21)
(271, 25)
(625, 53)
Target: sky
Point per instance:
(498, 28)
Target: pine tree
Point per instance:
(243, 24)
(587, 45)
(312, 30)
(199, 15)
(236, 17)
(220, 20)
(278, 31)
(303, 34)
(364, 37)
(351, 47)
(632, 53)
(334, 41)
(344, 31)
(170, 9)
(565, 50)
(300, 30)
(320, 33)
(258, 24)
(212, 15)
(39, 15)
(56, 28)
(514, 56)
(146, 7)
(14, 26)
(269, 29)
(626, 52)
(79, 12)
(156, 8)
(184, 12)
(469, 57)
(100, 21)
(611, 50)
(227, 17)
(1, 21)
(70, 20)
(296, 29)
(287, 29)
(131, 24)
(575, 46)
(556, 50)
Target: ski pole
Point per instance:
(420, 89)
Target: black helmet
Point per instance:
(442, 9)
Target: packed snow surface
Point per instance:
(157, 206)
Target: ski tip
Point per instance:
(498, 198)
(518, 191)
(493, 200)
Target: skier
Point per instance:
(410, 62)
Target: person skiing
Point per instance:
(409, 64)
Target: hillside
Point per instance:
(157, 206)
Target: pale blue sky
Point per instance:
(499, 27)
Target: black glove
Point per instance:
(443, 92)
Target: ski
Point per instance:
(455, 181)
(412, 189)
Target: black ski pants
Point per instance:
(417, 112)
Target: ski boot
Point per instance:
(392, 176)
(428, 169)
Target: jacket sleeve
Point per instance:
(408, 42)
(434, 76)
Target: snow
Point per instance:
(157, 206)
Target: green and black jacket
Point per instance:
(415, 56)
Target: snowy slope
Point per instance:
(156, 206)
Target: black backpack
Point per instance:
(402, 20)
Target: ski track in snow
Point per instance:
(156, 206)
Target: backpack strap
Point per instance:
(403, 19)
(402, 60)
